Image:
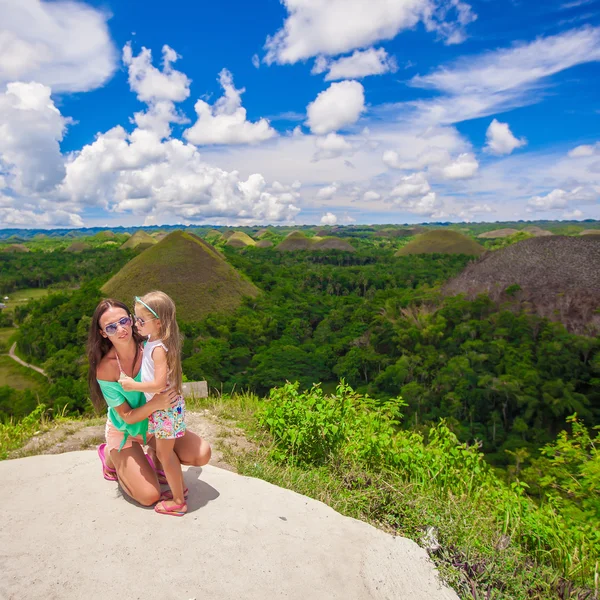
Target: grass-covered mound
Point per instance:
(187, 268)
(497, 233)
(264, 244)
(105, 235)
(442, 241)
(77, 247)
(297, 240)
(537, 231)
(17, 248)
(330, 243)
(240, 240)
(139, 238)
(557, 276)
(590, 232)
(400, 232)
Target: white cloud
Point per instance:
(335, 27)
(361, 63)
(574, 214)
(225, 122)
(151, 84)
(585, 150)
(370, 195)
(327, 192)
(412, 185)
(500, 139)
(62, 44)
(477, 86)
(31, 128)
(340, 105)
(256, 61)
(15, 217)
(332, 146)
(559, 198)
(464, 167)
(328, 219)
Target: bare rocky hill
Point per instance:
(559, 278)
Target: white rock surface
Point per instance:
(66, 533)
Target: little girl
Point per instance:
(161, 369)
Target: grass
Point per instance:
(479, 554)
(442, 241)
(17, 376)
(5, 335)
(23, 296)
(192, 272)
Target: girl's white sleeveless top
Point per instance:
(148, 363)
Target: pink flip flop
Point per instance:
(168, 495)
(174, 511)
(108, 473)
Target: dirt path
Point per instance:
(80, 435)
(12, 354)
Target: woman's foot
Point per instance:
(109, 472)
(169, 507)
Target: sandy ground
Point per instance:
(68, 534)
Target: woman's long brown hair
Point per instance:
(98, 347)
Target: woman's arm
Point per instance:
(159, 356)
(135, 415)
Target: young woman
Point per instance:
(114, 347)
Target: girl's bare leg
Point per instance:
(172, 467)
(136, 476)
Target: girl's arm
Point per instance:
(159, 356)
(135, 415)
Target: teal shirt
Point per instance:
(115, 395)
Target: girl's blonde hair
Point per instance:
(164, 308)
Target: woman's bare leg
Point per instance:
(192, 450)
(135, 474)
(172, 467)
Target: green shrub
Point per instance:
(349, 433)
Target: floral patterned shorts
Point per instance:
(168, 424)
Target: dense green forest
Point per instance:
(504, 379)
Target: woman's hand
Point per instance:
(126, 382)
(165, 400)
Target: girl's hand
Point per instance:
(126, 382)
(165, 400)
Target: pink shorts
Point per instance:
(114, 438)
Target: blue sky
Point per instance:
(389, 111)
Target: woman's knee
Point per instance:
(147, 497)
(203, 455)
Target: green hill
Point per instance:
(240, 240)
(187, 268)
(17, 248)
(139, 238)
(77, 247)
(264, 244)
(331, 243)
(556, 276)
(497, 233)
(441, 241)
(537, 231)
(295, 240)
(105, 235)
